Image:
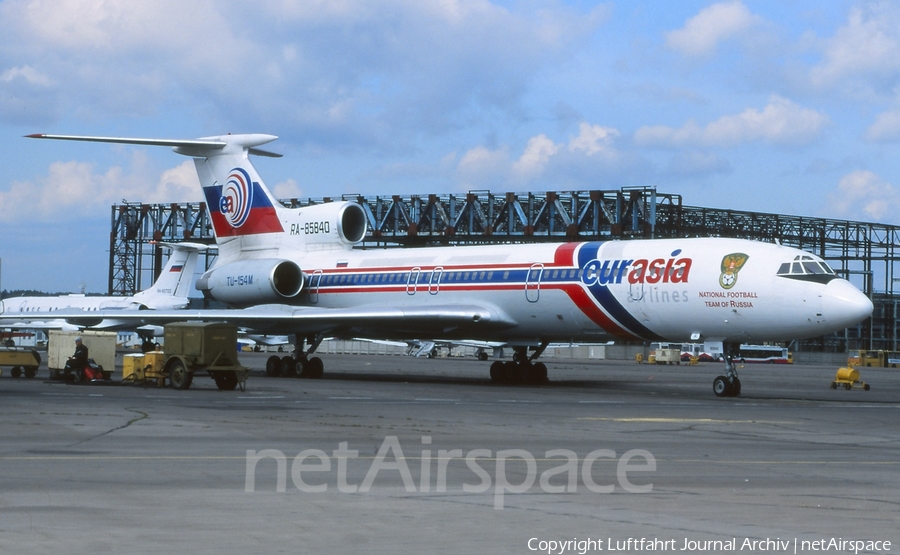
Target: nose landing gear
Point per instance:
(728, 385)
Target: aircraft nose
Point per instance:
(844, 304)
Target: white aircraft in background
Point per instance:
(169, 292)
(297, 272)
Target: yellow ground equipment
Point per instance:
(145, 368)
(22, 361)
(849, 378)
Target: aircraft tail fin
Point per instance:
(170, 291)
(239, 202)
(247, 220)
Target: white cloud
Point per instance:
(594, 146)
(72, 189)
(28, 74)
(483, 168)
(593, 139)
(287, 189)
(780, 122)
(348, 72)
(866, 45)
(702, 33)
(885, 128)
(535, 158)
(863, 195)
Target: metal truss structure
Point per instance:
(863, 252)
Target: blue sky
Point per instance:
(790, 107)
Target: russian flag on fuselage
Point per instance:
(241, 207)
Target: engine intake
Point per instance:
(249, 282)
(341, 224)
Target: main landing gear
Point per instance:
(299, 363)
(521, 369)
(728, 385)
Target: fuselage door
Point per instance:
(314, 282)
(434, 284)
(412, 283)
(533, 282)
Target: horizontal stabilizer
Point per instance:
(202, 147)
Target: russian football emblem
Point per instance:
(731, 265)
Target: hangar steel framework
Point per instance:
(864, 252)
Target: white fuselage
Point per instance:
(672, 289)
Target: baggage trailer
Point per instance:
(23, 361)
(101, 348)
(195, 348)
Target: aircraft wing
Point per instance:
(42, 324)
(380, 321)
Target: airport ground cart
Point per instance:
(144, 368)
(667, 356)
(849, 378)
(196, 348)
(61, 345)
(22, 361)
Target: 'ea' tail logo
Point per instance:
(237, 197)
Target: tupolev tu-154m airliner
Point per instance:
(302, 272)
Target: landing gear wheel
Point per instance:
(314, 368)
(498, 373)
(179, 377)
(512, 372)
(226, 381)
(273, 366)
(482, 356)
(288, 367)
(736, 388)
(722, 387)
(539, 372)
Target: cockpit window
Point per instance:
(813, 268)
(807, 268)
